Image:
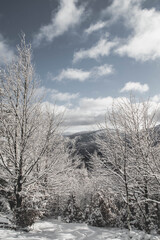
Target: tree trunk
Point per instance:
(146, 207)
(158, 216)
(18, 190)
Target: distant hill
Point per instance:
(86, 145)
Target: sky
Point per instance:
(87, 53)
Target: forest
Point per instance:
(107, 178)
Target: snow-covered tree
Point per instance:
(32, 149)
(130, 152)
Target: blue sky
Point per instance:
(87, 53)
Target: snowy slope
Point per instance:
(52, 229)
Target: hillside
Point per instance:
(86, 144)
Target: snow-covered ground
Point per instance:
(52, 229)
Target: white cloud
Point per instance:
(135, 86)
(95, 27)
(118, 8)
(143, 42)
(99, 105)
(54, 95)
(156, 98)
(73, 74)
(6, 53)
(68, 15)
(103, 70)
(86, 116)
(89, 112)
(80, 75)
(100, 49)
(59, 96)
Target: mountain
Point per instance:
(85, 144)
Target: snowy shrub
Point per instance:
(96, 218)
(4, 205)
(73, 213)
(101, 212)
(24, 217)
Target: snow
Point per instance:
(54, 229)
(4, 220)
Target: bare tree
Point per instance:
(130, 151)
